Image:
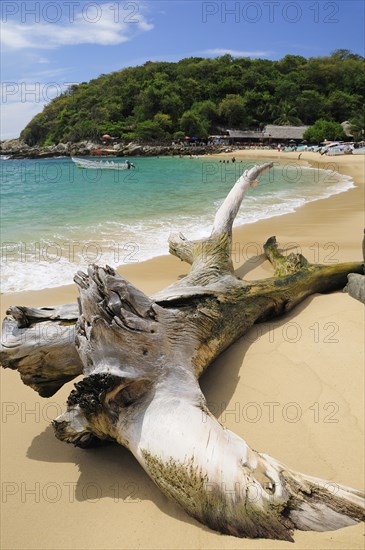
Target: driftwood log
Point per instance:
(141, 358)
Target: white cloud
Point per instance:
(40, 59)
(15, 116)
(235, 53)
(11, 37)
(105, 27)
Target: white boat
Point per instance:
(339, 149)
(359, 151)
(334, 151)
(102, 164)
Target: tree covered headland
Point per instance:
(198, 96)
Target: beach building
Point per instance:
(246, 137)
(284, 134)
(270, 134)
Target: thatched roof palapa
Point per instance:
(284, 132)
(245, 134)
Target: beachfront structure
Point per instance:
(270, 134)
(251, 136)
(284, 133)
(230, 137)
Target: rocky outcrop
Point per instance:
(13, 146)
(18, 149)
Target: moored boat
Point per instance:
(102, 164)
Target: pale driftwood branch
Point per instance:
(227, 213)
(40, 345)
(26, 316)
(142, 357)
(181, 247)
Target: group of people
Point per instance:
(233, 159)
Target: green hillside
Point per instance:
(196, 96)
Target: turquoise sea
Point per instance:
(57, 218)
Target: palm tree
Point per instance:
(287, 115)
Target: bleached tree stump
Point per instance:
(141, 358)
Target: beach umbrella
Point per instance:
(187, 137)
(106, 136)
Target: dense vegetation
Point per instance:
(324, 129)
(197, 96)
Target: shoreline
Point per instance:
(307, 366)
(276, 222)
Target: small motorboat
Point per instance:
(102, 164)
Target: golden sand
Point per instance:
(293, 388)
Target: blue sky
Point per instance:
(46, 45)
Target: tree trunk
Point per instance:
(141, 358)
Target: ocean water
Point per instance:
(57, 218)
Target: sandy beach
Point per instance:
(292, 388)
